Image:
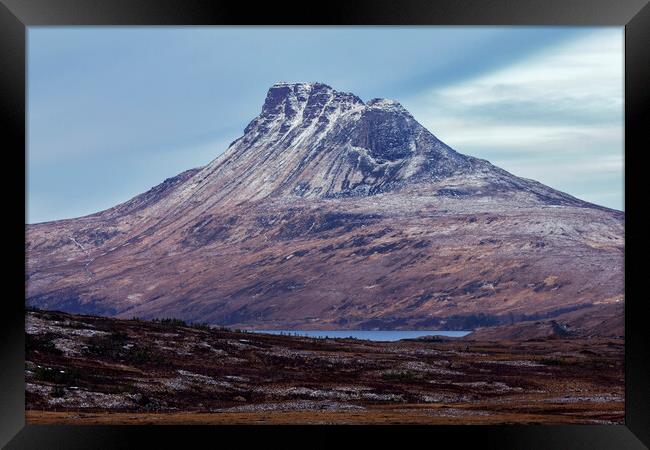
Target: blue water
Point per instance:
(390, 336)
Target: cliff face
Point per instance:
(334, 213)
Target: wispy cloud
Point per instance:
(556, 117)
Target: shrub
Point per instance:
(201, 326)
(118, 336)
(108, 346)
(398, 375)
(170, 322)
(112, 346)
(555, 362)
(142, 400)
(41, 343)
(69, 376)
(141, 355)
(57, 391)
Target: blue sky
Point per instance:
(112, 111)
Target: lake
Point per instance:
(380, 335)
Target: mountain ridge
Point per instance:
(331, 211)
(274, 102)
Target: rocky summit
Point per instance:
(334, 213)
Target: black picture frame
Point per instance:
(634, 15)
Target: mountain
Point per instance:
(331, 212)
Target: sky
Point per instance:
(113, 111)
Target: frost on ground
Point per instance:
(100, 365)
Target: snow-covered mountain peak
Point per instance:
(312, 141)
(387, 105)
(290, 99)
